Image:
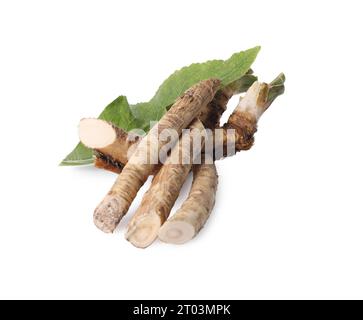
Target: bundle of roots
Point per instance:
(129, 155)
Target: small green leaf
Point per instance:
(79, 156)
(129, 117)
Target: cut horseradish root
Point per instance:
(111, 144)
(195, 211)
(143, 232)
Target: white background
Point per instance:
(288, 220)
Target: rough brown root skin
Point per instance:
(212, 112)
(108, 164)
(117, 202)
(245, 126)
(164, 190)
(195, 211)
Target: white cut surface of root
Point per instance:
(195, 211)
(159, 199)
(95, 133)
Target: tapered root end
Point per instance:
(176, 232)
(96, 133)
(107, 215)
(144, 232)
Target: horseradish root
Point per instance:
(117, 202)
(112, 145)
(108, 164)
(164, 190)
(194, 212)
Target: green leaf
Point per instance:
(227, 71)
(79, 156)
(129, 117)
(119, 113)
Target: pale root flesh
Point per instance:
(212, 112)
(96, 134)
(195, 211)
(164, 190)
(117, 202)
(177, 232)
(144, 232)
(111, 143)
